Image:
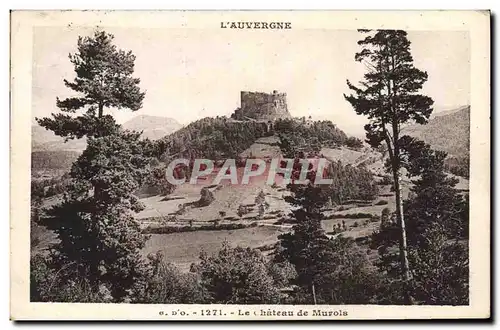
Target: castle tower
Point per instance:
(262, 106)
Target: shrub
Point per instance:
(354, 143)
(207, 197)
(168, 285)
(181, 229)
(237, 276)
(359, 215)
(242, 210)
(63, 285)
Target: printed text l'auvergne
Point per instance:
(256, 25)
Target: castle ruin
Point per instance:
(262, 106)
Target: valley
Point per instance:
(194, 229)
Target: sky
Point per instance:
(189, 74)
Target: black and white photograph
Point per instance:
(239, 165)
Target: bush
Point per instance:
(207, 197)
(242, 210)
(237, 276)
(180, 229)
(211, 138)
(354, 143)
(166, 284)
(63, 285)
(359, 215)
(382, 202)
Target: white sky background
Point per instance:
(190, 74)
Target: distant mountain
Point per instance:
(153, 127)
(447, 131)
(45, 140)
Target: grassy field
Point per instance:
(184, 248)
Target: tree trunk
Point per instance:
(403, 251)
(314, 293)
(101, 108)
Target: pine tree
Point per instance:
(329, 270)
(99, 239)
(104, 80)
(435, 199)
(437, 218)
(95, 225)
(389, 97)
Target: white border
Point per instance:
(476, 22)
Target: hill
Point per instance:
(221, 137)
(45, 140)
(447, 131)
(152, 127)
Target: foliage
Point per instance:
(206, 197)
(237, 276)
(435, 198)
(48, 285)
(262, 205)
(441, 275)
(389, 94)
(49, 187)
(389, 97)
(437, 219)
(103, 79)
(180, 229)
(36, 231)
(243, 210)
(210, 138)
(283, 273)
(220, 138)
(97, 232)
(458, 166)
(354, 143)
(359, 215)
(165, 284)
(156, 182)
(350, 183)
(94, 223)
(338, 272)
(311, 136)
